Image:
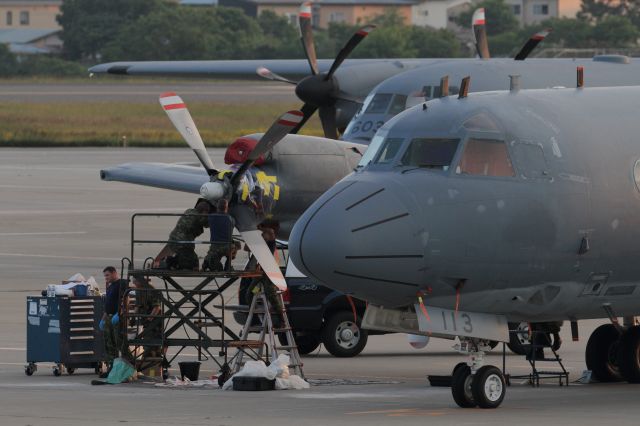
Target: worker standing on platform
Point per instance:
(110, 321)
(178, 254)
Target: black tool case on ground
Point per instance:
(248, 383)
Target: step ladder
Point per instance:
(267, 346)
(562, 375)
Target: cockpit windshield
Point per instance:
(374, 146)
(430, 153)
(379, 103)
(388, 150)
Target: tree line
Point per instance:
(110, 30)
(599, 24)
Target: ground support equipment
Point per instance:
(64, 331)
(539, 341)
(272, 339)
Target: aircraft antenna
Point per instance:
(580, 78)
(444, 86)
(464, 87)
(514, 83)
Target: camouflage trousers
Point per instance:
(213, 260)
(112, 340)
(185, 255)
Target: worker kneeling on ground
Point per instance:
(221, 225)
(179, 253)
(110, 322)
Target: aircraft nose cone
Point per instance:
(362, 238)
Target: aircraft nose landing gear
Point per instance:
(474, 384)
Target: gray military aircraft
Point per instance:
(336, 89)
(468, 213)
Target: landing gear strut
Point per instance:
(475, 384)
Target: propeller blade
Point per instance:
(531, 44)
(480, 33)
(307, 112)
(355, 39)
(179, 115)
(306, 36)
(278, 130)
(270, 75)
(328, 120)
(265, 258)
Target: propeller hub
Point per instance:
(317, 91)
(213, 191)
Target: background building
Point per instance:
(533, 11)
(30, 26)
(350, 12)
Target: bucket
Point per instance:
(190, 370)
(80, 290)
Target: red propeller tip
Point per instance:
(167, 94)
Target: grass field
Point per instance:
(114, 123)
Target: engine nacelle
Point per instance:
(212, 191)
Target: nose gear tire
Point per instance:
(461, 383)
(488, 387)
(629, 355)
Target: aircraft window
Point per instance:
(485, 157)
(636, 174)
(481, 121)
(379, 103)
(398, 104)
(426, 90)
(530, 159)
(374, 147)
(388, 150)
(430, 153)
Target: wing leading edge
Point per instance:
(176, 177)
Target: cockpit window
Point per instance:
(388, 150)
(379, 103)
(430, 153)
(398, 104)
(485, 157)
(482, 122)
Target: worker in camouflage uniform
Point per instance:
(180, 255)
(149, 307)
(222, 245)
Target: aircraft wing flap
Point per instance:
(177, 177)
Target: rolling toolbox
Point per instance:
(64, 331)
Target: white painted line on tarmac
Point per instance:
(87, 211)
(13, 349)
(25, 234)
(51, 256)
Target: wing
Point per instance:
(239, 69)
(177, 177)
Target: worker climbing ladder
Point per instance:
(268, 345)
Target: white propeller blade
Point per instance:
(265, 258)
(179, 115)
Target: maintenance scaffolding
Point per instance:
(192, 314)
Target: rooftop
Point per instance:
(25, 35)
(339, 2)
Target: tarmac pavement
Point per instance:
(57, 218)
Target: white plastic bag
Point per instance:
(280, 367)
